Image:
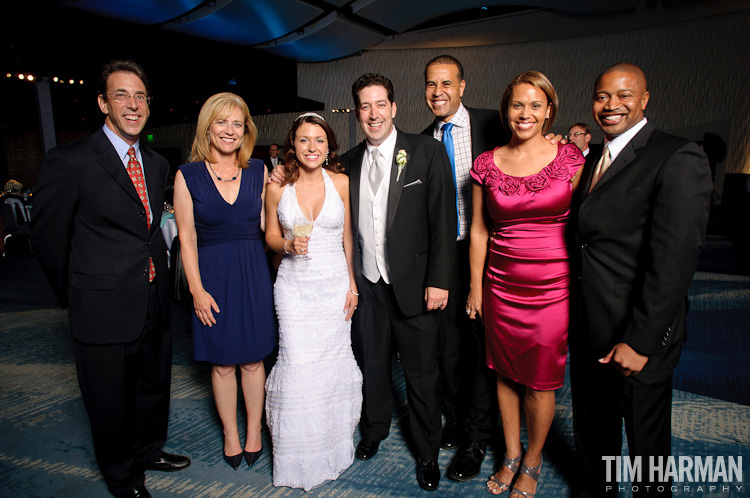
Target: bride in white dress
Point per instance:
(314, 391)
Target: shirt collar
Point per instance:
(386, 148)
(120, 145)
(460, 119)
(618, 143)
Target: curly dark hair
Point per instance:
(291, 166)
(370, 79)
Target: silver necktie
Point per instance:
(376, 172)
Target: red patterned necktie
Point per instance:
(136, 176)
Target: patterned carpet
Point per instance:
(46, 451)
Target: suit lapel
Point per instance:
(109, 160)
(154, 184)
(626, 156)
(588, 173)
(397, 185)
(355, 173)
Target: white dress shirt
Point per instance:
(619, 142)
(373, 211)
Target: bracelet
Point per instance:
(285, 251)
(353, 292)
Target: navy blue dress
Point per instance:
(233, 268)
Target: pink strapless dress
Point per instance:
(525, 300)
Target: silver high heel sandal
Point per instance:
(510, 463)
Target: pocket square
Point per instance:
(416, 182)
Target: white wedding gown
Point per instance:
(314, 391)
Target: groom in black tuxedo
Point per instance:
(96, 232)
(640, 222)
(404, 221)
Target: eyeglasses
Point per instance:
(123, 97)
(576, 134)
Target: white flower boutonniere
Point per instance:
(401, 162)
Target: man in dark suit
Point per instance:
(273, 159)
(97, 208)
(469, 397)
(404, 224)
(640, 223)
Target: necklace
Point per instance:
(219, 178)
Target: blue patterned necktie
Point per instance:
(448, 142)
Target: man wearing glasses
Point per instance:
(580, 134)
(96, 231)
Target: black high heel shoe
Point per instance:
(251, 458)
(234, 461)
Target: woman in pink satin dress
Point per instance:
(524, 190)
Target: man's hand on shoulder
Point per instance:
(553, 139)
(277, 175)
(625, 360)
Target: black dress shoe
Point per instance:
(468, 462)
(168, 462)
(428, 474)
(138, 492)
(366, 449)
(451, 436)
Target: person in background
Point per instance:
(273, 158)
(96, 232)
(219, 213)
(525, 188)
(580, 134)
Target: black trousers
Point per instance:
(602, 399)
(378, 319)
(125, 388)
(469, 394)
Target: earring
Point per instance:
(326, 159)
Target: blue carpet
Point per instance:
(46, 450)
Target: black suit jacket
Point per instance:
(90, 234)
(421, 224)
(267, 162)
(487, 131)
(639, 232)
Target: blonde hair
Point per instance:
(540, 81)
(220, 106)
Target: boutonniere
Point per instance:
(400, 162)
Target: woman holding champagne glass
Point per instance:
(314, 391)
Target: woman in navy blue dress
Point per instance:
(218, 204)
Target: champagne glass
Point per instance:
(303, 225)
